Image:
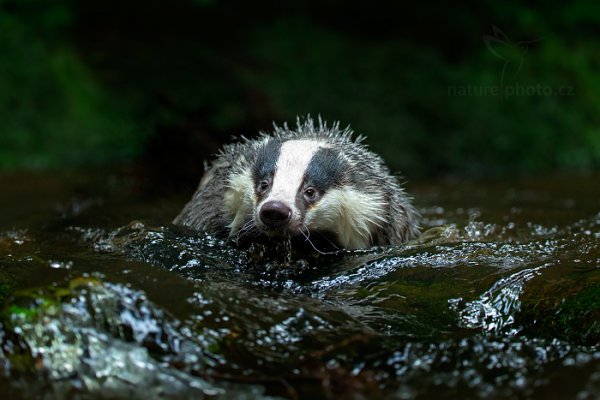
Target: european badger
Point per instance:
(298, 182)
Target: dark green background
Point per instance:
(161, 84)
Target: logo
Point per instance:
(512, 54)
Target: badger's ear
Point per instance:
(238, 200)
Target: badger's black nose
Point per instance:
(275, 213)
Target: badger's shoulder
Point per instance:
(204, 210)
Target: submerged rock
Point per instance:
(103, 340)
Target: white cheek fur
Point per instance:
(239, 200)
(352, 215)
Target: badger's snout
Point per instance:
(275, 214)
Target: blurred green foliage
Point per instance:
(54, 111)
(424, 113)
(92, 83)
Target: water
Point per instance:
(103, 298)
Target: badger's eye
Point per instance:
(262, 186)
(310, 194)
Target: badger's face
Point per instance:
(290, 180)
(301, 186)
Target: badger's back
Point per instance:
(310, 180)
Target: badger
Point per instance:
(303, 182)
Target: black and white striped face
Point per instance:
(290, 179)
(303, 186)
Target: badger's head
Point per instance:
(303, 187)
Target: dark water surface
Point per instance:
(103, 298)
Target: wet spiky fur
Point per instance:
(366, 206)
